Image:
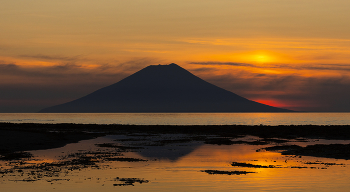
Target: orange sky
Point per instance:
(284, 52)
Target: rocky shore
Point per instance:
(29, 136)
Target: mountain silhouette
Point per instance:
(161, 88)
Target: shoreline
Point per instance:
(20, 163)
(268, 131)
(19, 137)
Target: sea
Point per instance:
(177, 162)
(181, 118)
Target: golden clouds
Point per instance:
(274, 50)
(266, 40)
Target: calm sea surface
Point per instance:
(181, 118)
(177, 162)
(173, 165)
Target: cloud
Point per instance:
(52, 57)
(317, 67)
(8, 67)
(25, 89)
(330, 67)
(62, 70)
(29, 89)
(138, 63)
(34, 88)
(312, 67)
(67, 71)
(70, 69)
(223, 63)
(313, 93)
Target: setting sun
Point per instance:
(262, 58)
(281, 50)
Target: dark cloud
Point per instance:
(223, 63)
(29, 89)
(58, 71)
(313, 93)
(329, 67)
(315, 67)
(203, 69)
(138, 63)
(71, 69)
(52, 57)
(306, 93)
(24, 89)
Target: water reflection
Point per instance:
(173, 162)
(181, 118)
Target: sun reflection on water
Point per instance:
(150, 170)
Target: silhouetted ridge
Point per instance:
(162, 88)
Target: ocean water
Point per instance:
(174, 166)
(176, 162)
(181, 118)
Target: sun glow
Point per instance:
(273, 103)
(262, 58)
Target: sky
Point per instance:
(293, 54)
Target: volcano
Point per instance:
(161, 88)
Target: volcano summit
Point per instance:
(161, 88)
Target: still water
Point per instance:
(174, 166)
(176, 162)
(181, 118)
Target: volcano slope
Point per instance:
(161, 88)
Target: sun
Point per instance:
(262, 58)
(259, 57)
